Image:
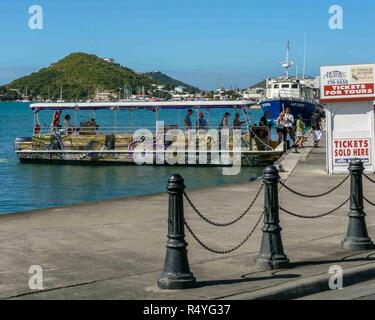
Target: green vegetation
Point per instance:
(261, 84)
(80, 76)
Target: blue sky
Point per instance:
(205, 43)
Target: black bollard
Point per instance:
(176, 273)
(356, 237)
(271, 255)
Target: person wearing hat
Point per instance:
(201, 122)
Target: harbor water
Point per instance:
(35, 186)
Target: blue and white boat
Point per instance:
(300, 95)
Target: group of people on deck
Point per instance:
(201, 123)
(287, 126)
(87, 126)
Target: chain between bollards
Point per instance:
(304, 195)
(368, 178)
(201, 243)
(223, 224)
(298, 215)
(368, 201)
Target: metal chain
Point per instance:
(368, 201)
(316, 216)
(368, 178)
(223, 251)
(224, 224)
(314, 195)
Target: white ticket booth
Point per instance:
(348, 92)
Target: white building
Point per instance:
(179, 89)
(109, 60)
(254, 94)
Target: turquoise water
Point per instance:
(34, 186)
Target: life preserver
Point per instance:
(56, 119)
(37, 129)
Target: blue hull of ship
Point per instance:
(274, 107)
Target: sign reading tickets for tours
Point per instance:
(347, 83)
(348, 92)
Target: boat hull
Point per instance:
(275, 106)
(250, 158)
(99, 149)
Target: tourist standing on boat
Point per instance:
(237, 123)
(224, 124)
(67, 126)
(288, 124)
(264, 120)
(300, 130)
(281, 131)
(265, 125)
(316, 125)
(187, 121)
(56, 119)
(201, 122)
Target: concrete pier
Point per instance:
(115, 249)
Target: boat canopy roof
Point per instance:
(150, 105)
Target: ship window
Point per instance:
(276, 86)
(294, 86)
(285, 85)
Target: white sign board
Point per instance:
(347, 83)
(348, 92)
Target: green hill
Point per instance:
(261, 84)
(79, 75)
(169, 82)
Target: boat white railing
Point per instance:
(261, 134)
(118, 130)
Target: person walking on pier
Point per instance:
(316, 125)
(289, 124)
(300, 128)
(280, 127)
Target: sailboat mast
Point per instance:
(304, 57)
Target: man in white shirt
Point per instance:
(288, 123)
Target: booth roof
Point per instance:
(140, 105)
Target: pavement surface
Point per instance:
(115, 249)
(360, 291)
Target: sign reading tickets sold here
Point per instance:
(347, 83)
(346, 149)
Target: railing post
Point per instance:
(356, 237)
(176, 273)
(271, 255)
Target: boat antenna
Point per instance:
(304, 57)
(287, 64)
(297, 66)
